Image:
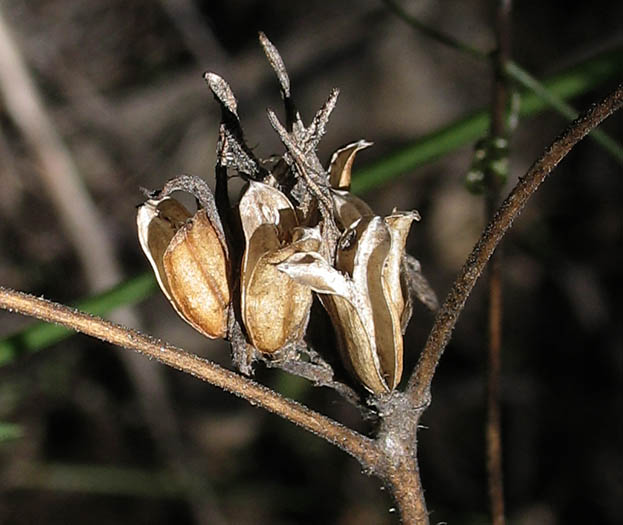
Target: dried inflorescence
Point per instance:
(298, 231)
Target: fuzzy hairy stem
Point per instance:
(418, 388)
(355, 444)
(397, 440)
(391, 457)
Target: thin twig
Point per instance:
(493, 188)
(493, 428)
(418, 387)
(355, 444)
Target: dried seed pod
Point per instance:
(348, 208)
(360, 296)
(399, 224)
(190, 261)
(275, 309)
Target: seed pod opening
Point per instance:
(356, 296)
(275, 308)
(190, 263)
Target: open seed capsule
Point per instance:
(361, 297)
(275, 308)
(190, 263)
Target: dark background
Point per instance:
(122, 83)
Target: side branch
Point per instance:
(357, 445)
(418, 388)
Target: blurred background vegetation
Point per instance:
(89, 432)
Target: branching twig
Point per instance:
(392, 457)
(418, 387)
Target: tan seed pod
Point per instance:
(359, 298)
(399, 224)
(275, 308)
(190, 262)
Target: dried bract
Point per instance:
(341, 164)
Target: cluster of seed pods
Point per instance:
(298, 231)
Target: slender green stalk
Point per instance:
(10, 431)
(525, 79)
(570, 83)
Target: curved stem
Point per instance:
(355, 444)
(418, 388)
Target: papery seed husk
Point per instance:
(349, 208)
(341, 164)
(367, 327)
(275, 308)
(399, 224)
(370, 254)
(364, 258)
(197, 272)
(348, 309)
(263, 204)
(157, 222)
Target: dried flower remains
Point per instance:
(248, 272)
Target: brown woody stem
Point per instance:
(355, 444)
(418, 388)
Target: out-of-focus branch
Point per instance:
(197, 35)
(58, 171)
(493, 188)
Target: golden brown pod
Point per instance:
(399, 224)
(357, 295)
(275, 308)
(190, 261)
